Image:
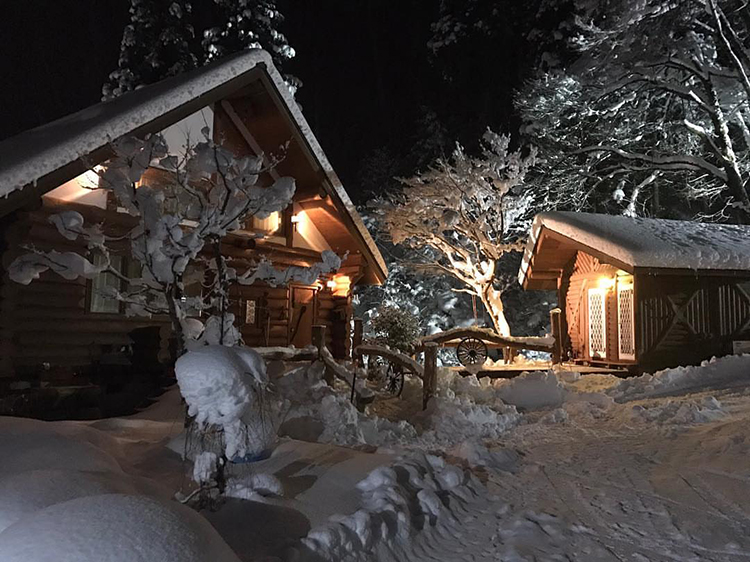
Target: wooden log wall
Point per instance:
(46, 322)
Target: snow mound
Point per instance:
(254, 487)
(397, 502)
(449, 420)
(710, 372)
(223, 386)
(27, 445)
(114, 528)
(26, 492)
(315, 412)
(686, 412)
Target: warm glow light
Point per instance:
(296, 219)
(331, 284)
(606, 283)
(342, 285)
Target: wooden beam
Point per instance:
(248, 136)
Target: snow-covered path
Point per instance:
(597, 489)
(642, 492)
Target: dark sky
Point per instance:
(364, 65)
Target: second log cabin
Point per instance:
(643, 294)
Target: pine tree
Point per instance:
(249, 24)
(158, 42)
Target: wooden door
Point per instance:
(597, 336)
(301, 315)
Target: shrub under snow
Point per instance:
(225, 387)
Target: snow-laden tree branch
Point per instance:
(179, 221)
(471, 211)
(657, 87)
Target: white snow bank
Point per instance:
(397, 502)
(224, 386)
(530, 390)
(315, 412)
(710, 372)
(114, 528)
(27, 445)
(65, 495)
(26, 492)
(254, 487)
(680, 412)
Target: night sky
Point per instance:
(364, 65)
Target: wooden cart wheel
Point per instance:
(395, 379)
(471, 351)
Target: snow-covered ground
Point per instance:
(547, 466)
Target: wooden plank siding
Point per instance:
(682, 319)
(579, 275)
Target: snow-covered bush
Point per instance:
(395, 328)
(225, 387)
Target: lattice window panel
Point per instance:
(597, 323)
(625, 322)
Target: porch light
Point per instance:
(331, 284)
(606, 283)
(296, 219)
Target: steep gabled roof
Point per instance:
(630, 243)
(36, 161)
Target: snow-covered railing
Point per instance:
(309, 353)
(391, 355)
(427, 373)
(455, 335)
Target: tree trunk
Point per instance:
(492, 301)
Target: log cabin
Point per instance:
(62, 328)
(642, 294)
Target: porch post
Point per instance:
(429, 383)
(357, 340)
(319, 341)
(555, 320)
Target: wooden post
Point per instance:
(357, 340)
(429, 383)
(319, 341)
(555, 320)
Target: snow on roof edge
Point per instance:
(648, 243)
(47, 148)
(325, 165)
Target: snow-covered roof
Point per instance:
(648, 243)
(31, 155)
(56, 152)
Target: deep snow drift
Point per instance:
(546, 466)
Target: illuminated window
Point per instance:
(273, 224)
(250, 312)
(103, 284)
